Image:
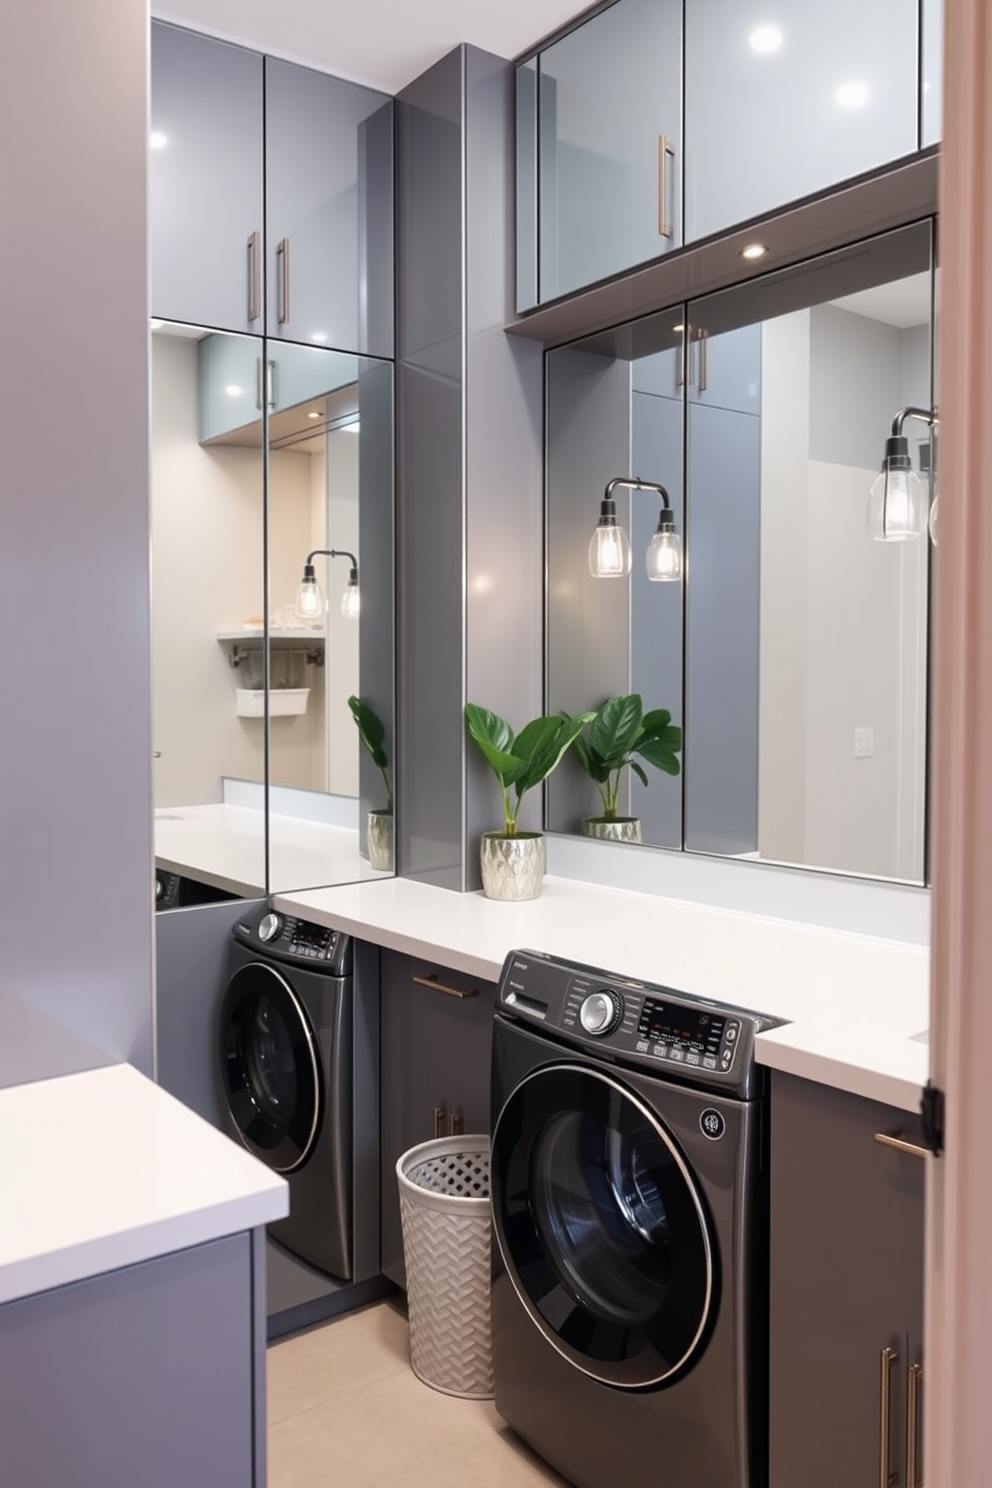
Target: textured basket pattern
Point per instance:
(444, 1207)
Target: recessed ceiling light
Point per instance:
(852, 95)
(765, 39)
(157, 140)
(679, 327)
(232, 390)
(754, 250)
(313, 415)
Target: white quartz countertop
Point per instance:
(104, 1169)
(853, 1003)
(224, 845)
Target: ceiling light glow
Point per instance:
(232, 390)
(157, 140)
(852, 95)
(754, 250)
(765, 39)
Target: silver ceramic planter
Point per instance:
(380, 841)
(512, 867)
(617, 829)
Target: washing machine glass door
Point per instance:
(269, 1067)
(601, 1227)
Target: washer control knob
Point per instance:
(600, 1012)
(269, 926)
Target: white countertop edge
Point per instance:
(775, 1051)
(115, 1252)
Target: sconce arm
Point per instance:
(333, 553)
(926, 416)
(637, 485)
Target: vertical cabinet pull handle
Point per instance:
(913, 1388)
(887, 1358)
(665, 149)
(282, 255)
(703, 337)
(457, 1122)
(254, 277)
(258, 384)
(440, 1121)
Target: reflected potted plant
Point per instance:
(372, 733)
(620, 735)
(513, 861)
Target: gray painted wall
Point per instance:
(75, 740)
(469, 550)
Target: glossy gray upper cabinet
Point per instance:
(932, 99)
(329, 210)
(205, 181)
(609, 129)
(778, 111)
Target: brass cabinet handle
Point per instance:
(665, 148)
(900, 1142)
(438, 986)
(887, 1358)
(254, 277)
(913, 1387)
(440, 1118)
(282, 255)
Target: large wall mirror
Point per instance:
(266, 457)
(792, 651)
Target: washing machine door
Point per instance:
(269, 1067)
(601, 1227)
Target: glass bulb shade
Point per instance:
(309, 600)
(664, 557)
(932, 522)
(609, 552)
(897, 506)
(351, 602)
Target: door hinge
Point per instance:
(932, 1115)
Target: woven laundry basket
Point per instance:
(444, 1205)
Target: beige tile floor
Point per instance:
(346, 1411)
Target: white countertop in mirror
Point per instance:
(224, 845)
(854, 1003)
(107, 1170)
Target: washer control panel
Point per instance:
(286, 938)
(642, 1023)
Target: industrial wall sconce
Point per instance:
(310, 600)
(609, 548)
(897, 502)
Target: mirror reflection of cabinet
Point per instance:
(245, 692)
(803, 639)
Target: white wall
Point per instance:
(342, 635)
(75, 745)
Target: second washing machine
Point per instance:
(629, 1193)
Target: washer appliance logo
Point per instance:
(712, 1125)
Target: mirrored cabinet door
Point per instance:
(208, 598)
(781, 105)
(609, 110)
(205, 180)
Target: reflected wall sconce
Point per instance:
(897, 502)
(609, 547)
(310, 600)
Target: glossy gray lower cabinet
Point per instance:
(205, 181)
(781, 108)
(436, 1033)
(329, 219)
(847, 1218)
(153, 1375)
(609, 142)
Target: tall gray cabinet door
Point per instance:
(205, 181)
(436, 1032)
(723, 549)
(781, 108)
(846, 1283)
(328, 161)
(610, 112)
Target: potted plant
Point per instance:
(513, 861)
(620, 735)
(372, 733)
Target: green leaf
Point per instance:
(616, 726)
(655, 722)
(536, 736)
(370, 730)
(660, 755)
(488, 727)
(638, 772)
(547, 757)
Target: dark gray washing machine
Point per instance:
(630, 1208)
(287, 1072)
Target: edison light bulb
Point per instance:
(309, 600)
(351, 601)
(609, 552)
(664, 557)
(897, 508)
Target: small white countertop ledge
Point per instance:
(853, 1002)
(104, 1169)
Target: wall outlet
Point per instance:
(864, 743)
